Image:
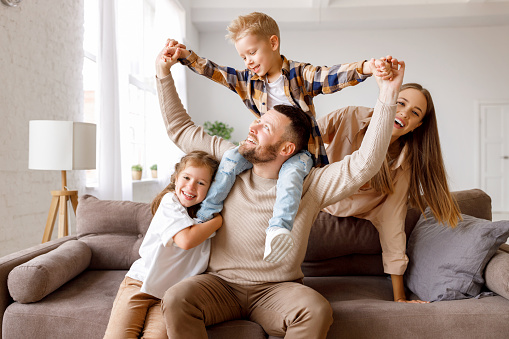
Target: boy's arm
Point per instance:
(194, 235)
(229, 77)
(326, 80)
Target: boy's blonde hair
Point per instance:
(256, 23)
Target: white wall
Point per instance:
(40, 72)
(457, 65)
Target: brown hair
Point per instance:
(194, 158)
(256, 23)
(428, 179)
(299, 129)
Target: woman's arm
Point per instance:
(194, 235)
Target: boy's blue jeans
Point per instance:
(289, 186)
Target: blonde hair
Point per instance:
(196, 159)
(256, 23)
(428, 179)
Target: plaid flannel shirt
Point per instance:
(302, 82)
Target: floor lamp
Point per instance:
(63, 146)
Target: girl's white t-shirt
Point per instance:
(163, 263)
(276, 93)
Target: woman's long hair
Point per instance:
(196, 159)
(428, 179)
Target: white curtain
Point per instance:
(169, 21)
(113, 172)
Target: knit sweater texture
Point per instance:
(237, 249)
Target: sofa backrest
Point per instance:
(112, 229)
(351, 246)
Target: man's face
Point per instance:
(264, 140)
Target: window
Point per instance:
(142, 27)
(137, 23)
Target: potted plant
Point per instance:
(153, 168)
(218, 128)
(136, 171)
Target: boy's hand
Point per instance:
(383, 69)
(389, 88)
(166, 58)
(184, 53)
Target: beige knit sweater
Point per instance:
(237, 249)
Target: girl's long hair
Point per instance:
(428, 179)
(196, 159)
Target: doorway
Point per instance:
(494, 154)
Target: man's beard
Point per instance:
(260, 154)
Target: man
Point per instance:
(237, 284)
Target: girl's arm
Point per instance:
(194, 235)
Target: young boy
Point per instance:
(270, 79)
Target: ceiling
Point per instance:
(215, 15)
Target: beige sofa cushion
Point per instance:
(113, 230)
(35, 279)
(497, 274)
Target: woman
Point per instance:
(413, 165)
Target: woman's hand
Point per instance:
(403, 300)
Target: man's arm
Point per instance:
(341, 179)
(179, 126)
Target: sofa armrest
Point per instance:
(496, 273)
(8, 262)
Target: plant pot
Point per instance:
(154, 174)
(136, 175)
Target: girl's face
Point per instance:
(192, 184)
(409, 113)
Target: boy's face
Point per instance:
(260, 55)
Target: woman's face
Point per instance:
(409, 113)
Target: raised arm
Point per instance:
(179, 126)
(227, 76)
(341, 179)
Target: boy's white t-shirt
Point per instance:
(276, 93)
(162, 263)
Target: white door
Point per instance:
(494, 153)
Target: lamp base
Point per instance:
(59, 200)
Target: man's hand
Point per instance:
(167, 57)
(389, 88)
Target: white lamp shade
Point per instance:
(61, 145)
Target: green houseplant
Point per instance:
(218, 128)
(136, 171)
(153, 168)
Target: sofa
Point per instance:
(65, 288)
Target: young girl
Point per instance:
(412, 173)
(175, 247)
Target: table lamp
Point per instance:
(63, 146)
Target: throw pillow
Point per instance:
(448, 263)
(35, 279)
